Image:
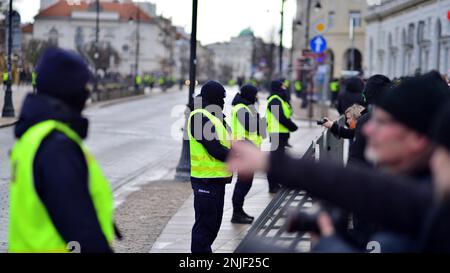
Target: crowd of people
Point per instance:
(399, 195)
(395, 186)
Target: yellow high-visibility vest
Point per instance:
(30, 226)
(203, 165)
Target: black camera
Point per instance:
(306, 219)
(322, 122)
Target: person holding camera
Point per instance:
(399, 141)
(352, 114)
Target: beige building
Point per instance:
(331, 19)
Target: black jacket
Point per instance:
(356, 156)
(288, 123)
(342, 132)
(251, 121)
(211, 143)
(61, 175)
(400, 204)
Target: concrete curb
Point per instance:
(8, 124)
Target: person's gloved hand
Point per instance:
(326, 228)
(328, 124)
(246, 158)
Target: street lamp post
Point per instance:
(281, 49)
(97, 38)
(8, 107)
(138, 37)
(183, 168)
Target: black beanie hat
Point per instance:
(376, 87)
(249, 92)
(213, 92)
(354, 85)
(441, 132)
(277, 87)
(63, 75)
(416, 101)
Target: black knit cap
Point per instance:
(63, 75)
(376, 86)
(416, 101)
(354, 85)
(213, 92)
(441, 132)
(249, 92)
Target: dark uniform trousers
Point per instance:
(208, 206)
(241, 189)
(278, 146)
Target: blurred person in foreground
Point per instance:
(399, 135)
(58, 191)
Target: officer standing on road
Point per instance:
(279, 123)
(209, 142)
(59, 194)
(245, 124)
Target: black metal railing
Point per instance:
(270, 228)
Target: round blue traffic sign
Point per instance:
(318, 44)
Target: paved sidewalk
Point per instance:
(19, 93)
(176, 236)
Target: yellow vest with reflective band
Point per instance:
(298, 86)
(33, 78)
(30, 226)
(203, 165)
(273, 125)
(334, 87)
(239, 132)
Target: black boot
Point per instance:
(240, 217)
(274, 189)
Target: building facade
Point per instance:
(73, 27)
(405, 37)
(332, 19)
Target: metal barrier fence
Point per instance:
(269, 228)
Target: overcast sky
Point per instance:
(218, 20)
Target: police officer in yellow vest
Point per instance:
(298, 88)
(209, 142)
(245, 125)
(58, 195)
(334, 89)
(279, 124)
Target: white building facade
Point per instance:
(71, 26)
(404, 37)
(235, 54)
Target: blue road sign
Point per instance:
(318, 44)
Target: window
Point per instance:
(355, 17)
(331, 19)
(53, 36)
